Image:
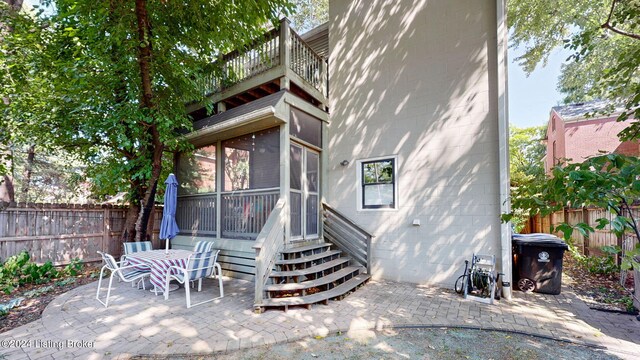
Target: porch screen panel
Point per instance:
(306, 127)
(196, 207)
(251, 177)
(196, 172)
(252, 161)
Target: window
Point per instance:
(378, 183)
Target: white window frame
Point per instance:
(359, 195)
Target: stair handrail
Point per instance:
(347, 236)
(268, 245)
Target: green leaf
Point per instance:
(602, 223)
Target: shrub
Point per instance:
(604, 264)
(74, 267)
(18, 270)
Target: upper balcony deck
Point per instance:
(280, 59)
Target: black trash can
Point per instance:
(537, 262)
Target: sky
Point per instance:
(531, 98)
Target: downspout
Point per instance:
(503, 143)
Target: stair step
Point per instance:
(300, 249)
(308, 257)
(311, 270)
(344, 272)
(321, 296)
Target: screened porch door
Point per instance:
(305, 171)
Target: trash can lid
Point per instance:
(538, 239)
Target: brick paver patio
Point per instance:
(138, 322)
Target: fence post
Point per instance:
(106, 229)
(585, 219)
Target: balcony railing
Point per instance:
(196, 214)
(267, 53)
(243, 213)
(306, 63)
(238, 66)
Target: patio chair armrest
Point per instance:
(129, 267)
(181, 269)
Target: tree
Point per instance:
(309, 14)
(118, 75)
(7, 192)
(526, 150)
(611, 182)
(605, 38)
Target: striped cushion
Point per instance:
(201, 264)
(132, 274)
(132, 247)
(203, 246)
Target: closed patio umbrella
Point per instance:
(169, 227)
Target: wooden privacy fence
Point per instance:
(62, 232)
(596, 240)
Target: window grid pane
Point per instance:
(312, 215)
(296, 167)
(296, 214)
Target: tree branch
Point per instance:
(607, 24)
(634, 225)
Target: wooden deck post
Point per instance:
(285, 44)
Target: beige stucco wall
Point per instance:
(418, 79)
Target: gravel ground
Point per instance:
(413, 344)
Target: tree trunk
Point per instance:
(6, 189)
(15, 5)
(28, 169)
(129, 229)
(155, 147)
(148, 201)
(7, 192)
(144, 53)
(151, 223)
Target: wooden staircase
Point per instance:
(311, 273)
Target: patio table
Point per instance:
(159, 261)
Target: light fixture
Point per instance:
(344, 162)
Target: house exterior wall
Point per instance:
(586, 138)
(555, 135)
(579, 139)
(418, 80)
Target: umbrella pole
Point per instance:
(166, 251)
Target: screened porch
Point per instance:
(229, 188)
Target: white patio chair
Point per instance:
(133, 247)
(125, 273)
(203, 246)
(200, 265)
